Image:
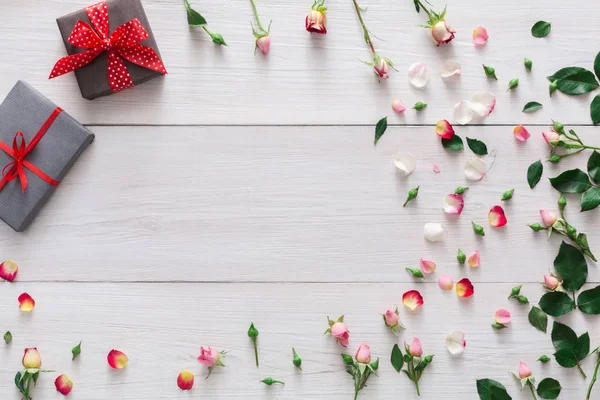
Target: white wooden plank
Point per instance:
(161, 327)
(286, 204)
(308, 79)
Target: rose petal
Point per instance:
(502, 316)
(463, 112)
(434, 232)
(8, 270)
(427, 266)
(445, 282)
(483, 103)
(453, 204)
(26, 302)
(496, 217)
(412, 299)
(477, 167)
(449, 69)
(436, 169)
(474, 259)
(398, 106)
(418, 75)
(444, 129)
(455, 343)
(521, 134)
(185, 380)
(63, 385)
(405, 162)
(464, 288)
(117, 359)
(480, 36)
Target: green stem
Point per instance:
(256, 354)
(355, 394)
(591, 147)
(365, 30)
(206, 30)
(581, 370)
(424, 9)
(532, 391)
(586, 252)
(574, 299)
(417, 386)
(256, 15)
(589, 392)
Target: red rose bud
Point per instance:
(63, 385)
(381, 67)
(316, 19)
(185, 380)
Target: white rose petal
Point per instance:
(455, 343)
(418, 75)
(477, 167)
(450, 68)
(405, 162)
(463, 113)
(483, 103)
(434, 232)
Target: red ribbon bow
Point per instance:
(123, 43)
(19, 151)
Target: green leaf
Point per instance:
(549, 388)
(590, 199)
(397, 359)
(534, 173)
(574, 80)
(593, 167)
(348, 360)
(556, 303)
(571, 181)
(380, 129)
(477, 146)
(489, 389)
(572, 267)
(538, 319)
(532, 106)
(417, 5)
(541, 29)
(588, 301)
(76, 351)
(194, 18)
(417, 273)
(595, 110)
(582, 347)
(597, 65)
(563, 336)
(455, 143)
(507, 195)
(566, 357)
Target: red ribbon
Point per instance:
(19, 151)
(123, 43)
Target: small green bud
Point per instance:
(412, 193)
(429, 359)
(496, 325)
(562, 202)
(490, 72)
(552, 88)
(528, 63)
(515, 291)
(554, 158)
(417, 273)
(571, 232)
(217, 39)
(461, 257)
(478, 229)
(8, 337)
(558, 127)
(76, 351)
(513, 83)
(419, 105)
(252, 332)
(270, 381)
(522, 299)
(461, 189)
(507, 195)
(536, 227)
(544, 359)
(297, 360)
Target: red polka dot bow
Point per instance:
(122, 44)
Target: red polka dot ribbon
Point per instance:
(122, 44)
(16, 168)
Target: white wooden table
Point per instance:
(242, 188)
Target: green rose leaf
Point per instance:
(549, 388)
(397, 359)
(582, 347)
(534, 173)
(574, 80)
(588, 301)
(194, 18)
(571, 265)
(541, 29)
(532, 106)
(597, 65)
(538, 319)
(571, 181)
(556, 303)
(566, 357)
(593, 167)
(455, 143)
(590, 199)
(595, 109)
(380, 129)
(477, 146)
(563, 336)
(489, 389)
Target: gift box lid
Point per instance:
(25, 110)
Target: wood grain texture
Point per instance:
(314, 79)
(162, 326)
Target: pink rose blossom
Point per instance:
(208, 357)
(264, 44)
(363, 354)
(442, 32)
(381, 68)
(391, 318)
(551, 282)
(415, 348)
(552, 138)
(524, 371)
(547, 218)
(340, 332)
(315, 21)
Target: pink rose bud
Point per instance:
(442, 32)
(32, 359)
(381, 67)
(552, 138)
(415, 348)
(315, 21)
(547, 218)
(524, 371)
(398, 106)
(391, 318)
(340, 332)
(551, 282)
(363, 354)
(208, 357)
(264, 44)
(444, 129)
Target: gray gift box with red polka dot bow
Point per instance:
(93, 78)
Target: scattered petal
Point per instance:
(483, 103)
(464, 288)
(398, 106)
(185, 380)
(455, 343)
(418, 76)
(26, 302)
(453, 204)
(463, 112)
(436, 169)
(63, 385)
(444, 129)
(477, 167)
(8, 270)
(117, 359)
(405, 162)
(427, 266)
(434, 232)
(480, 36)
(496, 217)
(445, 282)
(450, 68)
(412, 299)
(521, 134)
(474, 259)
(502, 316)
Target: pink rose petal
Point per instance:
(474, 259)
(496, 217)
(453, 204)
(427, 266)
(502, 316)
(436, 169)
(521, 134)
(480, 36)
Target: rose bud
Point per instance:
(547, 218)
(316, 19)
(444, 129)
(208, 357)
(552, 138)
(32, 359)
(363, 354)
(391, 318)
(63, 385)
(340, 332)
(416, 350)
(551, 282)
(381, 67)
(442, 32)
(264, 44)
(524, 371)
(185, 380)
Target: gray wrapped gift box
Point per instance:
(93, 78)
(26, 110)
